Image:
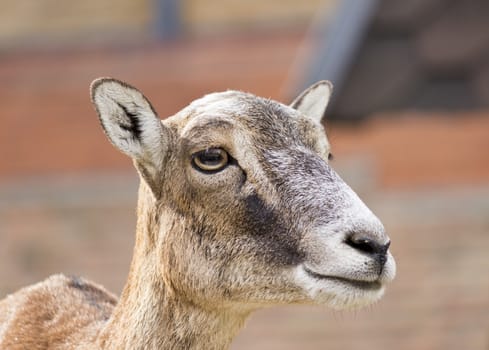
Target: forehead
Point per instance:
(265, 121)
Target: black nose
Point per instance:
(364, 243)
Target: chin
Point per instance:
(338, 293)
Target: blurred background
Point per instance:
(409, 127)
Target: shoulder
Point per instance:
(54, 309)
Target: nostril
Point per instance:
(365, 244)
(361, 243)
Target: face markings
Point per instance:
(278, 244)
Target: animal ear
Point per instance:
(313, 101)
(131, 124)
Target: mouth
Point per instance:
(358, 284)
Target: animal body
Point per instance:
(238, 209)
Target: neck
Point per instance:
(150, 315)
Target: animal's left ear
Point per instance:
(314, 100)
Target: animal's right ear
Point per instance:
(132, 125)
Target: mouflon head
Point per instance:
(242, 206)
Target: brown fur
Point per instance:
(58, 313)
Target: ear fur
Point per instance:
(131, 124)
(313, 101)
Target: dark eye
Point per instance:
(330, 156)
(210, 160)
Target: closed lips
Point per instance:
(368, 285)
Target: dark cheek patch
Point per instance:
(257, 209)
(278, 244)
